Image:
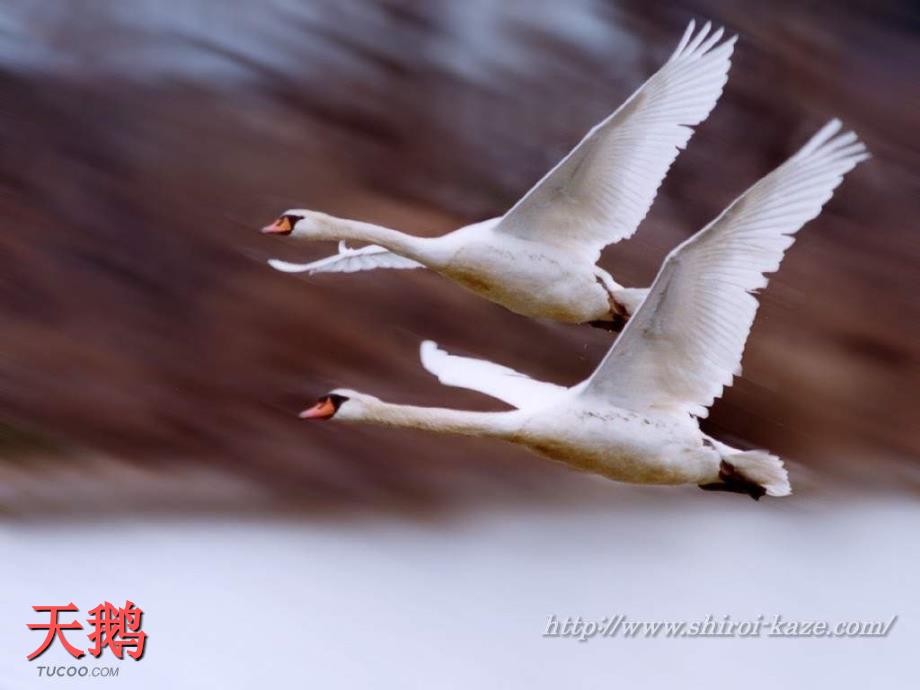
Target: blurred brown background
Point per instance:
(144, 143)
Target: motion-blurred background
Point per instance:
(152, 363)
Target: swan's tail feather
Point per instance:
(753, 472)
(761, 468)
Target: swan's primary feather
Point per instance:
(494, 380)
(684, 344)
(349, 261)
(601, 191)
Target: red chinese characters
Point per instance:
(118, 628)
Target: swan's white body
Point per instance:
(635, 418)
(616, 442)
(539, 258)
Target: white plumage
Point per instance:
(495, 380)
(348, 261)
(684, 344)
(600, 192)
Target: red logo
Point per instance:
(118, 628)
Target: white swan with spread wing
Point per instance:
(539, 259)
(635, 419)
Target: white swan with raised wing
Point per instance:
(539, 259)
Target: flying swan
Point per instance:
(635, 419)
(539, 258)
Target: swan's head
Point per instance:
(297, 222)
(342, 404)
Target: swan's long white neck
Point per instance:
(437, 419)
(326, 227)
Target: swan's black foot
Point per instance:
(614, 326)
(732, 481)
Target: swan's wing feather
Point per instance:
(494, 380)
(349, 261)
(601, 191)
(684, 344)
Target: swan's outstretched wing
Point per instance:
(348, 261)
(684, 344)
(479, 375)
(601, 191)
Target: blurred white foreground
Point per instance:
(381, 602)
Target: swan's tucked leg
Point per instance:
(734, 482)
(619, 315)
(623, 304)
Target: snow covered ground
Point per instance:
(384, 601)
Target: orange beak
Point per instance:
(324, 409)
(282, 226)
